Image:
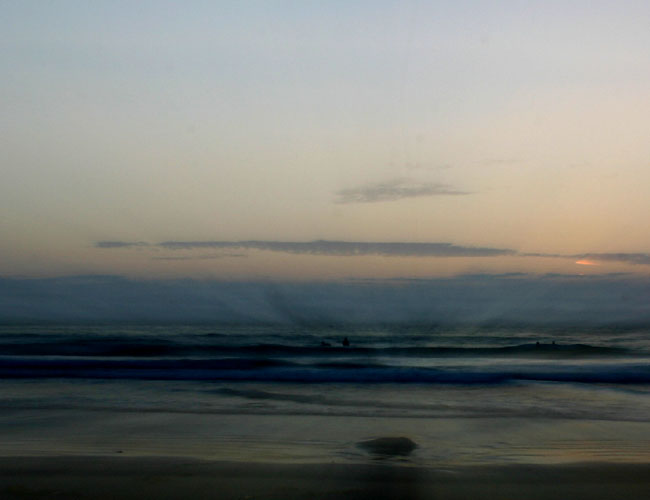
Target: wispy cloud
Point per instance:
(317, 247)
(499, 161)
(120, 244)
(199, 257)
(393, 190)
(347, 248)
(360, 248)
(594, 258)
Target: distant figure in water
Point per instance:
(346, 342)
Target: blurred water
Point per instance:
(270, 393)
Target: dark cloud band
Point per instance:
(494, 301)
(346, 248)
(360, 248)
(326, 247)
(120, 244)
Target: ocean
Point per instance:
(295, 393)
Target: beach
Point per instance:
(269, 413)
(108, 455)
(172, 478)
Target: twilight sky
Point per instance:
(326, 140)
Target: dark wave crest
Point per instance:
(168, 348)
(237, 369)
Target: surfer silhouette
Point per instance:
(346, 342)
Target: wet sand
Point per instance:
(177, 478)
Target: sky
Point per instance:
(300, 140)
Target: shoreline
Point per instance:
(129, 477)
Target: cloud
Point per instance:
(347, 248)
(360, 248)
(200, 257)
(499, 161)
(497, 300)
(594, 259)
(393, 190)
(120, 244)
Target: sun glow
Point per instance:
(587, 262)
